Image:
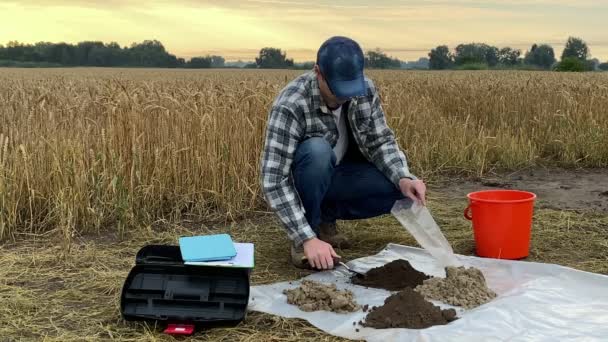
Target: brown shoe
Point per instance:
(297, 257)
(328, 232)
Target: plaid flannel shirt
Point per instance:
(298, 113)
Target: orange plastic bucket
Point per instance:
(502, 222)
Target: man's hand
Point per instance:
(414, 189)
(320, 254)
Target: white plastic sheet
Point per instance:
(536, 302)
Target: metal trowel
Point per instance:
(337, 261)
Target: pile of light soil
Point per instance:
(407, 309)
(394, 276)
(461, 287)
(314, 296)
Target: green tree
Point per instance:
(440, 58)
(491, 55)
(97, 56)
(217, 61)
(376, 59)
(199, 62)
(476, 53)
(508, 56)
(151, 53)
(575, 48)
(603, 66)
(273, 58)
(206, 62)
(540, 55)
(145, 53)
(63, 53)
(83, 49)
(16, 51)
(43, 51)
(106, 55)
(115, 55)
(67, 55)
(571, 64)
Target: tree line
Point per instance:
(149, 53)
(152, 53)
(575, 57)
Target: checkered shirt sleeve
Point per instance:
(382, 147)
(283, 133)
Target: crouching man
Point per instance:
(329, 155)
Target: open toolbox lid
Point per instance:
(161, 288)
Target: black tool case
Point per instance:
(161, 288)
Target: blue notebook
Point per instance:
(207, 247)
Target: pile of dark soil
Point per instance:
(407, 309)
(394, 276)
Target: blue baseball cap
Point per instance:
(341, 62)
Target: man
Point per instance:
(330, 155)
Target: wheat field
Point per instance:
(84, 149)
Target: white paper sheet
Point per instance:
(536, 302)
(244, 258)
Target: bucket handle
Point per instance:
(467, 213)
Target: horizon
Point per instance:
(237, 30)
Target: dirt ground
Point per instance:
(48, 293)
(555, 188)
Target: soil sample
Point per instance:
(408, 309)
(461, 287)
(394, 276)
(314, 296)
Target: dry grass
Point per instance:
(86, 149)
(50, 295)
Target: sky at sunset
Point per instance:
(238, 29)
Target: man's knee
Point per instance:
(315, 153)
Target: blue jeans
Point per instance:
(350, 191)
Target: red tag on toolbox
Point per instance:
(179, 329)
